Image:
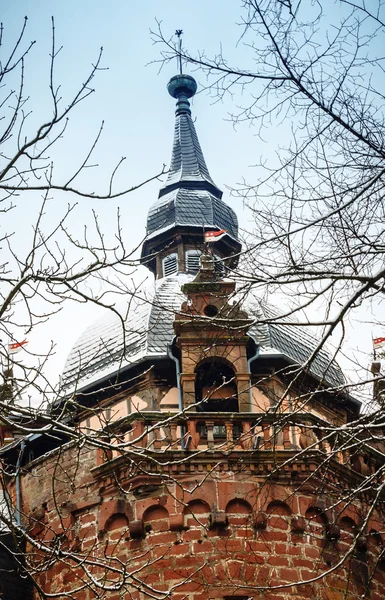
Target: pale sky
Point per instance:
(132, 99)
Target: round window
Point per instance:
(210, 310)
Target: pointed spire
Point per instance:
(188, 167)
(189, 203)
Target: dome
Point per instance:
(108, 348)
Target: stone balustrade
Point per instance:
(199, 431)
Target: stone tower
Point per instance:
(195, 459)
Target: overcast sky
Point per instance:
(132, 99)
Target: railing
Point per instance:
(299, 434)
(163, 432)
(282, 436)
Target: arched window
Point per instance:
(170, 264)
(216, 387)
(193, 261)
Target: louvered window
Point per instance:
(193, 261)
(219, 266)
(170, 264)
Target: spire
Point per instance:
(188, 167)
(189, 202)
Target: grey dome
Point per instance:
(107, 347)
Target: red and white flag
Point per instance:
(378, 342)
(16, 346)
(214, 236)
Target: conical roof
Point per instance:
(189, 196)
(188, 165)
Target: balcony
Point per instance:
(212, 431)
(281, 445)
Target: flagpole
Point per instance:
(374, 350)
(206, 245)
(13, 348)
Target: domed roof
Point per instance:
(142, 328)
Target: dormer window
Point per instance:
(170, 264)
(193, 261)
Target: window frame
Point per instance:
(168, 258)
(193, 252)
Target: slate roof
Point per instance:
(138, 329)
(189, 195)
(187, 160)
(190, 207)
(144, 329)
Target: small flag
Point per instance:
(214, 236)
(16, 346)
(378, 342)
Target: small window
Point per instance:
(170, 264)
(210, 310)
(219, 266)
(193, 261)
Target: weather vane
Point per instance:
(179, 33)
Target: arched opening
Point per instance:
(193, 261)
(197, 514)
(216, 387)
(156, 518)
(239, 512)
(116, 521)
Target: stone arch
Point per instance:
(216, 385)
(156, 518)
(116, 521)
(317, 520)
(238, 511)
(110, 508)
(347, 525)
(197, 514)
(219, 359)
(278, 507)
(278, 513)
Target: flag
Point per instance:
(214, 236)
(16, 346)
(378, 342)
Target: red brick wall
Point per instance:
(236, 534)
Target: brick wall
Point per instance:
(211, 528)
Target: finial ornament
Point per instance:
(181, 87)
(179, 33)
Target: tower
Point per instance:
(189, 203)
(192, 457)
